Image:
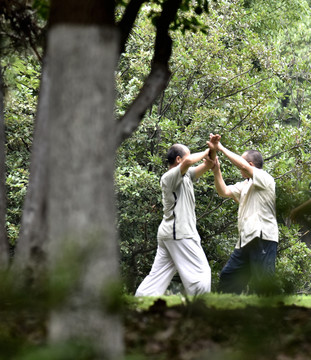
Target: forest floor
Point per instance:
(219, 328)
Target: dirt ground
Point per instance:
(196, 331)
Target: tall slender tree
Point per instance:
(4, 246)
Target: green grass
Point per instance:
(223, 301)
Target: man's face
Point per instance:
(180, 159)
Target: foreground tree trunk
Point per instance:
(69, 215)
(70, 201)
(80, 199)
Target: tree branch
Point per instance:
(254, 133)
(282, 152)
(245, 117)
(139, 251)
(159, 74)
(154, 85)
(177, 96)
(206, 213)
(126, 23)
(222, 85)
(285, 174)
(240, 90)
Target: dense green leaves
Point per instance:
(21, 78)
(244, 74)
(231, 81)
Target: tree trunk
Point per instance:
(30, 253)
(70, 203)
(4, 246)
(80, 197)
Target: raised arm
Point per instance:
(221, 187)
(194, 158)
(237, 160)
(201, 169)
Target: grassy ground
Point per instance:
(225, 301)
(219, 327)
(211, 327)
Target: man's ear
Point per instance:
(251, 163)
(178, 159)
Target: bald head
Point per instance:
(176, 150)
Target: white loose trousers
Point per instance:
(185, 256)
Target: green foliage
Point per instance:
(275, 15)
(42, 8)
(21, 81)
(232, 80)
(140, 211)
(294, 262)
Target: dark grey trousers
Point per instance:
(255, 264)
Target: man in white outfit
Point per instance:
(179, 244)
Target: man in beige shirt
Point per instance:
(255, 252)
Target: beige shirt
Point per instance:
(257, 214)
(179, 220)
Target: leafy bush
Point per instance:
(140, 212)
(21, 79)
(293, 266)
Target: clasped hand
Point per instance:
(214, 142)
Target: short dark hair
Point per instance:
(174, 151)
(255, 157)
